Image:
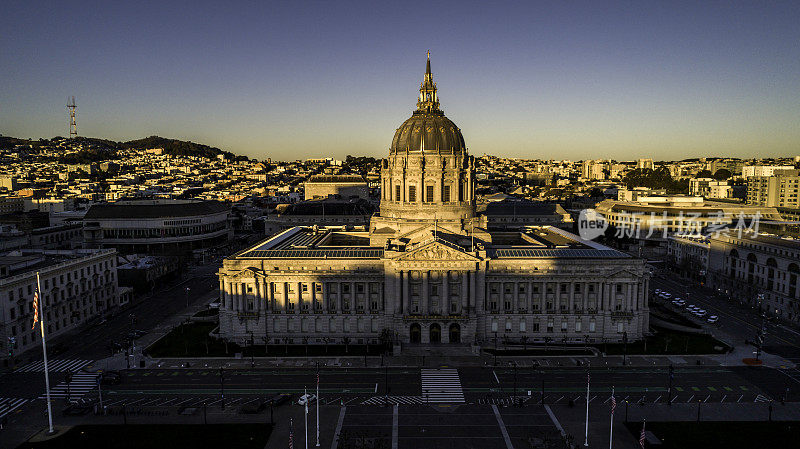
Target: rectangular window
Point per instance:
(535, 327)
(429, 194)
(412, 194)
(397, 193)
(446, 194)
(494, 326)
(578, 326)
(523, 326)
(592, 326)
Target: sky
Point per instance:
(291, 79)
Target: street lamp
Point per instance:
(495, 348)
(187, 296)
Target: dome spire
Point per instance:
(428, 98)
(428, 68)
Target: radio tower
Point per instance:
(73, 128)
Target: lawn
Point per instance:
(730, 435)
(193, 340)
(667, 341)
(159, 436)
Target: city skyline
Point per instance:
(528, 82)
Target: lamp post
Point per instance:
(222, 386)
(495, 348)
(187, 296)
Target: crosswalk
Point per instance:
(441, 386)
(381, 400)
(54, 365)
(80, 384)
(8, 405)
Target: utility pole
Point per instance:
(669, 389)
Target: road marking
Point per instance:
(712, 389)
(495, 377)
(690, 399)
(338, 428)
(674, 399)
(394, 426)
(593, 398)
(554, 419)
(376, 387)
(728, 388)
(743, 388)
(657, 399)
(706, 399)
(560, 398)
(502, 426)
(723, 398)
(740, 398)
(678, 388)
(695, 389)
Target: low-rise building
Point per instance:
(157, 226)
(323, 186)
(76, 286)
(757, 269)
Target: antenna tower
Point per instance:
(73, 128)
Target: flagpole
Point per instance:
(40, 304)
(317, 404)
(305, 417)
(611, 433)
(586, 440)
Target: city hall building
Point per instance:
(428, 270)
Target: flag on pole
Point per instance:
(641, 436)
(35, 308)
(613, 402)
(291, 434)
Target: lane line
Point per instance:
(555, 421)
(395, 426)
(502, 425)
(339, 423)
(495, 377)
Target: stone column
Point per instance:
(464, 291)
(571, 306)
(473, 292)
(353, 298)
(425, 293)
(339, 298)
(557, 296)
(529, 297)
(323, 298)
(444, 302)
(257, 296)
(516, 296)
(398, 293)
(222, 293)
(270, 298)
(406, 307)
(285, 296)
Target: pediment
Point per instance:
(436, 251)
(622, 274)
(247, 273)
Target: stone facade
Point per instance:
(428, 270)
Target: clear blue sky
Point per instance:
(297, 79)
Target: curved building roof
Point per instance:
(155, 209)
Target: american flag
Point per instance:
(35, 308)
(291, 434)
(641, 437)
(613, 402)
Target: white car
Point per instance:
(306, 398)
(713, 319)
(701, 313)
(691, 307)
(667, 295)
(680, 302)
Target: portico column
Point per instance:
(398, 293)
(516, 296)
(473, 292)
(425, 292)
(257, 296)
(571, 306)
(323, 297)
(464, 291)
(285, 291)
(444, 303)
(406, 307)
(222, 293)
(558, 297)
(529, 297)
(270, 298)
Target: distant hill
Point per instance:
(101, 149)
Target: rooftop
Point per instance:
(138, 209)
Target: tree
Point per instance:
(722, 174)
(704, 174)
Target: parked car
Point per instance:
(281, 398)
(680, 302)
(713, 319)
(701, 313)
(307, 398)
(253, 407)
(110, 378)
(213, 305)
